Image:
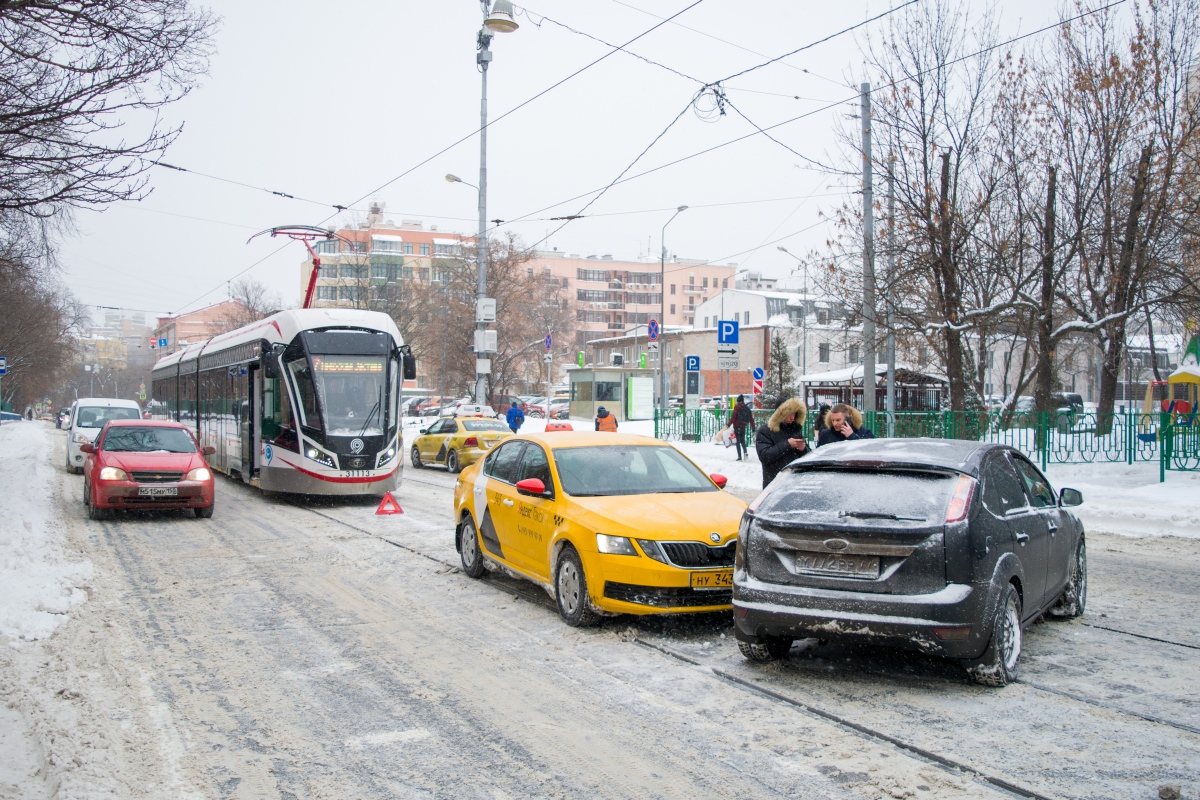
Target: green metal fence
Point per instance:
(1048, 438)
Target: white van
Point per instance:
(88, 415)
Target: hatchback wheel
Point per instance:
(998, 665)
(416, 457)
(571, 592)
(95, 512)
(767, 648)
(206, 512)
(468, 549)
(452, 461)
(1073, 601)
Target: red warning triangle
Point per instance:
(388, 505)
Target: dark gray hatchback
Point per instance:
(946, 547)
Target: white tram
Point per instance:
(304, 401)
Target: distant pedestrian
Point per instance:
(743, 417)
(844, 423)
(781, 441)
(822, 420)
(605, 421)
(515, 418)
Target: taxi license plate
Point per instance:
(720, 579)
(846, 566)
(158, 491)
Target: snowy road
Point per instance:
(324, 652)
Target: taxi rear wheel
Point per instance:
(571, 592)
(416, 457)
(468, 549)
(452, 461)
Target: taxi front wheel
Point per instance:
(416, 457)
(571, 592)
(468, 549)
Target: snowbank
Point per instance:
(38, 585)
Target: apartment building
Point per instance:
(196, 326)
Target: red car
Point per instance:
(145, 465)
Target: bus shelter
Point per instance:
(915, 391)
(627, 392)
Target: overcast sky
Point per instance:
(328, 102)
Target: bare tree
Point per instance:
(252, 302)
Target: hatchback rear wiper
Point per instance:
(878, 515)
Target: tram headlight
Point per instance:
(385, 456)
(319, 456)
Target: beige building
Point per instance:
(196, 326)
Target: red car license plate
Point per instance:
(158, 491)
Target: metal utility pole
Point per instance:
(891, 297)
(868, 325)
(662, 328)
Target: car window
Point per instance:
(97, 416)
(150, 439)
(609, 470)
(484, 425)
(854, 497)
(1003, 489)
(444, 426)
(502, 465)
(534, 464)
(1037, 486)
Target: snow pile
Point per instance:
(38, 585)
(1127, 499)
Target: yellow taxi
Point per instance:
(608, 523)
(457, 442)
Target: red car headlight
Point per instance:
(199, 474)
(113, 474)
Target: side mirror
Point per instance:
(208, 450)
(423, 431)
(408, 363)
(1070, 497)
(87, 448)
(719, 480)
(533, 487)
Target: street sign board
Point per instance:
(692, 363)
(579, 358)
(652, 329)
(549, 342)
(3, 365)
(727, 331)
(759, 374)
(728, 362)
(652, 347)
(548, 357)
(727, 355)
(162, 342)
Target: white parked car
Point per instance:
(88, 416)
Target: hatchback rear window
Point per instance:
(857, 497)
(484, 425)
(150, 439)
(97, 416)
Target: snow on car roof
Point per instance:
(955, 454)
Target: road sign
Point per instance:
(727, 356)
(652, 329)
(727, 331)
(692, 363)
(3, 365)
(759, 374)
(142, 396)
(549, 342)
(652, 347)
(548, 357)
(162, 342)
(579, 358)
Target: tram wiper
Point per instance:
(374, 411)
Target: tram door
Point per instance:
(249, 424)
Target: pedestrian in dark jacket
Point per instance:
(515, 418)
(822, 420)
(743, 417)
(781, 441)
(845, 422)
(605, 421)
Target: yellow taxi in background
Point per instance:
(608, 523)
(457, 442)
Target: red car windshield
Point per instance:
(147, 440)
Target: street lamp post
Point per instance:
(498, 18)
(662, 312)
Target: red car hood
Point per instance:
(145, 462)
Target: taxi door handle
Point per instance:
(1022, 538)
(507, 502)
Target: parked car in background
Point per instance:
(559, 409)
(409, 405)
(88, 416)
(457, 442)
(946, 547)
(502, 402)
(146, 465)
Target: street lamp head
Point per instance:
(500, 20)
(453, 179)
(780, 248)
(681, 208)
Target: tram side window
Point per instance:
(302, 378)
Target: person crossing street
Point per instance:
(743, 417)
(515, 418)
(605, 420)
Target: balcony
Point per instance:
(694, 290)
(616, 306)
(616, 326)
(616, 285)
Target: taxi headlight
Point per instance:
(199, 474)
(320, 457)
(652, 550)
(614, 545)
(113, 474)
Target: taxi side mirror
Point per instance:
(208, 450)
(719, 480)
(424, 431)
(532, 487)
(87, 448)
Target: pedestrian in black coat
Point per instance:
(845, 423)
(781, 441)
(743, 417)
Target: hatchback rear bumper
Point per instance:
(909, 621)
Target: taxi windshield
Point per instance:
(97, 416)
(608, 470)
(484, 425)
(149, 439)
(352, 391)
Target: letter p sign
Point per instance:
(727, 331)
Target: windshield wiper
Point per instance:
(878, 515)
(374, 411)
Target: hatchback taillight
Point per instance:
(471, 442)
(960, 503)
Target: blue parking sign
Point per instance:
(727, 331)
(692, 363)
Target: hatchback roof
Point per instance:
(955, 454)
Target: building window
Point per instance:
(408, 248)
(327, 293)
(385, 246)
(356, 247)
(424, 249)
(592, 295)
(672, 306)
(852, 356)
(349, 271)
(706, 322)
(329, 270)
(745, 318)
(594, 275)
(823, 353)
(326, 247)
(445, 249)
(799, 356)
(822, 317)
(725, 283)
(692, 280)
(529, 272)
(349, 293)
(672, 290)
(990, 363)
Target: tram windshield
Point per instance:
(353, 393)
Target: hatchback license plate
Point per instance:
(158, 491)
(720, 579)
(838, 564)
